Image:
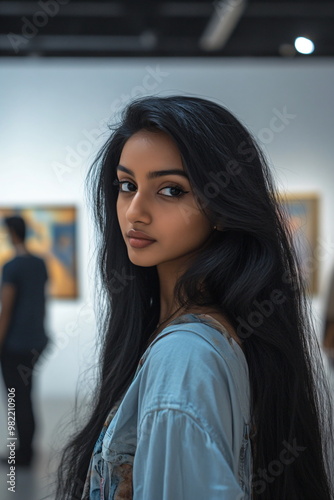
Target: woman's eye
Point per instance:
(175, 188)
(179, 191)
(120, 186)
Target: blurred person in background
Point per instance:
(22, 333)
(328, 335)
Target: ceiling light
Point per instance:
(226, 16)
(304, 45)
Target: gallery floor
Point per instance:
(35, 482)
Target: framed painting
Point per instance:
(302, 218)
(51, 234)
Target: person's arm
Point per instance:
(328, 340)
(7, 298)
(47, 286)
(177, 458)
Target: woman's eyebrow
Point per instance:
(155, 173)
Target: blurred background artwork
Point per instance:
(302, 212)
(51, 234)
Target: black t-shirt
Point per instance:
(26, 328)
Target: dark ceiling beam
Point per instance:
(184, 9)
(172, 9)
(290, 9)
(78, 9)
(70, 43)
(254, 9)
(98, 43)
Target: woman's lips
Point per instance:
(140, 243)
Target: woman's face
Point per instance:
(157, 205)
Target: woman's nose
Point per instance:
(139, 208)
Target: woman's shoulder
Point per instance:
(208, 316)
(189, 359)
(204, 332)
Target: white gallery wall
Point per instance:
(52, 118)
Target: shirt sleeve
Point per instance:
(177, 458)
(9, 274)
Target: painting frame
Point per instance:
(301, 210)
(51, 235)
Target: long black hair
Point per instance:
(249, 272)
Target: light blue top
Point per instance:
(181, 431)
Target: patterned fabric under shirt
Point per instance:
(121, 475)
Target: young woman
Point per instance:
(211, 382)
